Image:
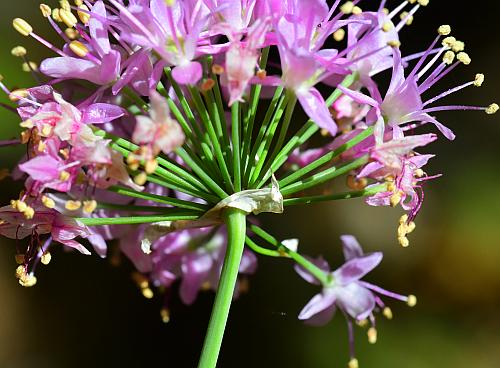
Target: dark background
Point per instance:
(86, 313)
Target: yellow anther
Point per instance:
(64, 153)
(64, 175)
(448, 57)
(412, 1)
(25, 136)
(217, 69)
(449, 41)
(65, 4)
(165, 315)
(372, 335)
(492, 109)
(67, 17)
(71, 33)
(147, 293)
(353, 363)
(387, 26)
(385, 11)
(78, 48)
(22, 26)
(151, 166)
(444, 30)
(409, 18)
(72, 205)
(355, 183)
(48, 202)
(25, 279)
(419, 173)
(403, 241)
(41, 146)
(45, 258)
(339, 34)
(28, 124)
(56, 15)
(18, 94)
(83, 15)
(357, 10)
(18, 51)
(362, 322)
(141, 178)
(387, 312)
(395, 199)
(412, 300)
(20, 259)
(78, 2)
(89, 206)
(410, 227)
(170, 2)
(46, 10)
(458, 46)
(423, 2)
(479, 80)
(394, 43)
(464, 58)
(261, 74)
(29, 66)
(46, 130)
(347, 7)
(21, 206)
(29, 213)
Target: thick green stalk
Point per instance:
(236, 139)
(337, 196)
(236, 228)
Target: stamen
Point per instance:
(83, 15)
(492, 109)
(464, 58)
(46, 10)
(353, 363)
(89, 206)
(22, 26)
(165, 315)
(347, 7)
(48, 202)
(412, 300)
(68, 17)
(444, 30)
(71, 205)
(339, 34)
(18, 51)
(45, 258)
(141, 178)
(372, 335)
(387, 312)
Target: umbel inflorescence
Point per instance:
(167, 125)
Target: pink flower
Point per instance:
(158, 130)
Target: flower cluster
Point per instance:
(144, 128)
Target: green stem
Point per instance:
(261, 250)
(333, 197)
(325, 158)
(236, 228)
(304, 133)
(314, 270)
(323, 176)
(134, 220)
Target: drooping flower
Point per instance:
(346, 292)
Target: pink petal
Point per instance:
(189, 73)
(315, 107)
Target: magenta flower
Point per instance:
(15, 225)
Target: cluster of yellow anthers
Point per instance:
(143, 284)
(372, 331)
(146, 155)
(28, 279)
(404, 229)
(63, 15)
(23, 208)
